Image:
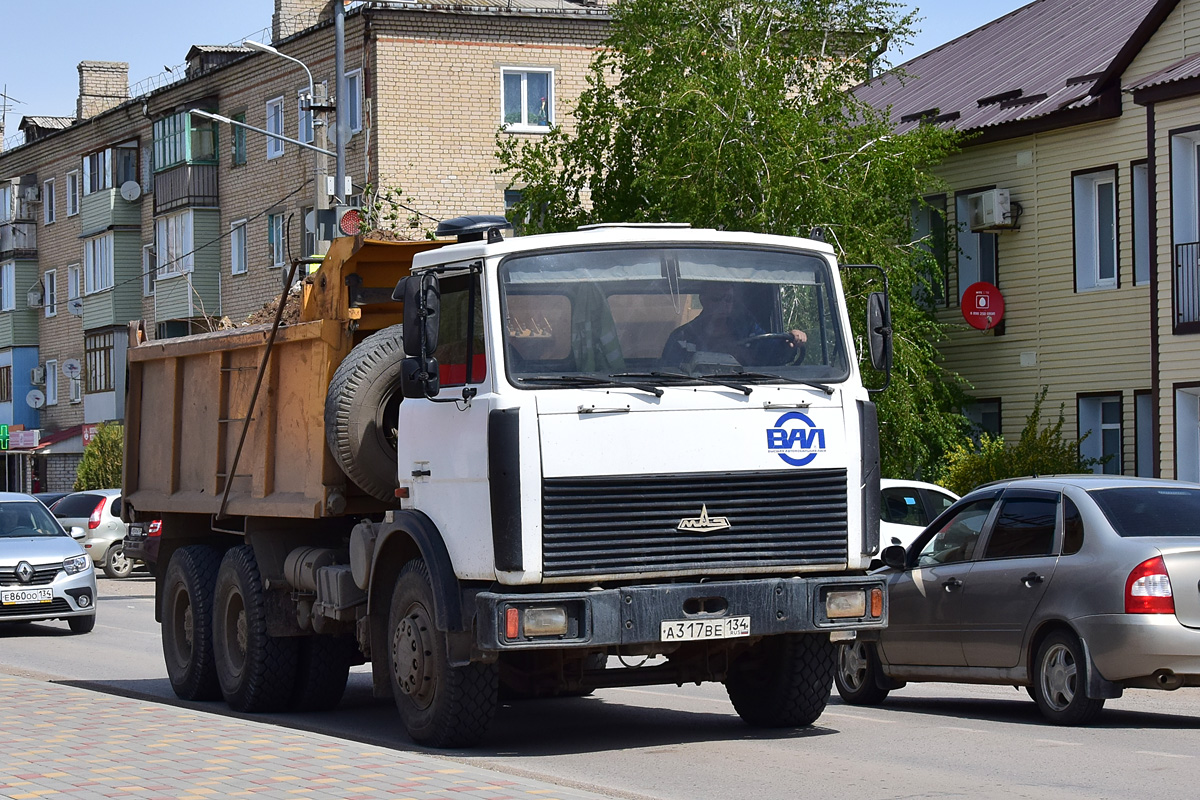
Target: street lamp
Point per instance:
(319, 169)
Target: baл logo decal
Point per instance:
(799, 444)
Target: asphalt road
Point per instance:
(932, 740)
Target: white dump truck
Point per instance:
(508, 466)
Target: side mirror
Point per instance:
(894, 556)
(422, 312)
(879, 331)
(419, 379)
(77, 532)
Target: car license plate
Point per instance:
(13, 597)
(690, 630)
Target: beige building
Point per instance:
(134, 209)
(1076, 195)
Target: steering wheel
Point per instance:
(23, 532)
(799, 351)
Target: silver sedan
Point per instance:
(44, 572)
(1074, 587)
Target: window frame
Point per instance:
(305, 127)
(8, 279)
(237, 247)
(52, 382)
(1090, 406)
(971, 247)
(149, 270)
(354, 116)
(95, 274)
(524, 125)
(237, 141)
(984, 545)
(925, 212)
(1139, 211)
(50, 293)
(276, 233)
(73, 189)
(275, 144)
(174, 243)
(49, 213)
(6, 383)
(98, 362)
(1087, 215)
(74, 276)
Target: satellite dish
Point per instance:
(75, 306)
(131, 190)
(35, 398)
(72, 368)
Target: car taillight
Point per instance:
(155, 528)
(1148, 589)
(94, 519)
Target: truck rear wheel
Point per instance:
(257, 672)
(440, 705)
(322, 669)
(361, 410)
(187, 599)
(783, 681)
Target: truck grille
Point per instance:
(629, 525)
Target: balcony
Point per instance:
(18, 240)
(184, 186)
(1185, 291)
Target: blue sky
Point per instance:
(152, 35)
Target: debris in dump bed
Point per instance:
(266, 314)
(412, 234)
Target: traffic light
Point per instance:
(349, 221)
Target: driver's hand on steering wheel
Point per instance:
(799, 338)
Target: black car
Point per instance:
(50, 498)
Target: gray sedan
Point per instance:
(44, 573)
(1074, 587)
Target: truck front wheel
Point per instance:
(257, 672)
(783, 681)
(187, 599)
(441, 705)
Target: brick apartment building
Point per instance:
(134, 209)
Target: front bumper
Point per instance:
(633, 615)
(1126, 647)
(74, 596)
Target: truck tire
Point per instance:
(361, 410)
(187, 608)
(322, 669)
(784, 681)
(257, 672)
(440, 705)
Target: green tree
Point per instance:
(736, 116)
(1039, 451)
(100, 467)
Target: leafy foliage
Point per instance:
(736, 116)
(1039, 451)
(100, 467)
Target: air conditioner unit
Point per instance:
(990, 210)
(37, 376)
(31, 193)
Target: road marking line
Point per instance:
(967, 730)
(1056, 741)
(1164, 755)
(855, 716)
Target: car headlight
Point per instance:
(77, 563)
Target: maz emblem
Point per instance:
(704, 523)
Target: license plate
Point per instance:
(13, 597)
(690, 630)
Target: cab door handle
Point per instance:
(951, 584)
(1032, 578)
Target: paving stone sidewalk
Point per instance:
(59, 741)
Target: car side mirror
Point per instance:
(77, 532)
(894, 556)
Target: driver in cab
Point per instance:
(726, 326)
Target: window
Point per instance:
(304, 115)
(125, 163)
(1100, 418)
(1095, 196)
(74, 281)
(97, 171)
(149, 270)
(239, 141)
(1187, 432)
(76, 390)
(50, 292)
(354, 93)
(929, 235)
(6, 384)
(310, 234)
(72, 193)
(98, 361)
(8, 279)
(955, 540)
(1185, 230)
(977, 255)
(1141, 223)
(48, 210)
(98, 263)
(1025, 527)
(902, 506)
(52, 382)
(275, 126)
(1073, 532)
(237, 247)
(460, 351)
(275, 239)
(527, 99)
(182, 138)
(984, 416)
(173, 244)
(1143, 433)
(8, 194)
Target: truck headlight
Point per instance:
(840, 605)
(76, 564)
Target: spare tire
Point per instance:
(361, 411)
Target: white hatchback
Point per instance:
(907, 507)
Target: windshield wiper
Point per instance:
(679, 376)
(752, 377)
(589, 380)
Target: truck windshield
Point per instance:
(662, 315)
